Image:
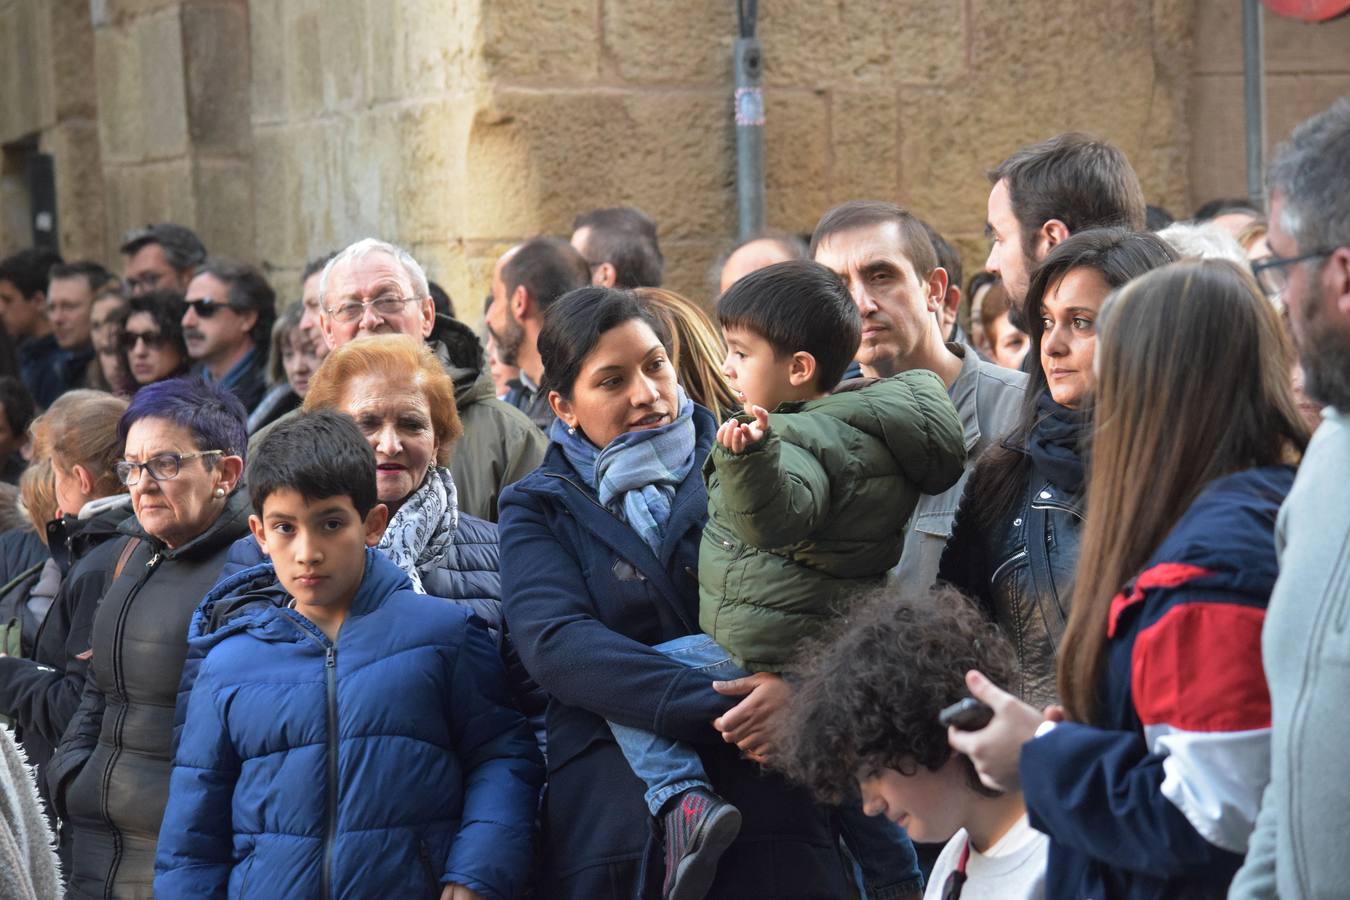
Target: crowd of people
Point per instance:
(875, 582)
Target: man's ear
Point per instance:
(1336, 281)
(519, 304)
(937, 289)
(248, 318)
(1052, 233)
(376, 521)
(605, 275)
(801, 369)
(562, 408)
(428, 310)
(255, 525)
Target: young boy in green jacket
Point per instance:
(807, 507)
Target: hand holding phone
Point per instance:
(968, 715)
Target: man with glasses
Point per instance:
(227, 327)
(373, 287)
(1297, 849)
(164, 256)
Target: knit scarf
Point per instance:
(637, 474)
(1055, 444)
(420, 533)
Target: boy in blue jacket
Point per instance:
(358, 740)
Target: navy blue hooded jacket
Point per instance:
(1157, 798)
(585, 598)
(385, 764)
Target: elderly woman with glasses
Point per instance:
(152, 338)
(182, 460)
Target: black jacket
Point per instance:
(1022, 573)
(110, 776)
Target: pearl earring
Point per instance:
(572, 430)
(219, 492)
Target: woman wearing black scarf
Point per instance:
(1014, 546)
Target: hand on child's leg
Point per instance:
(738, 437)
(750, 724)
(459, 892)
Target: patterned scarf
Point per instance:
(420, 533)
(636, 476)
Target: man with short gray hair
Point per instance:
(1297, 849)
(374, 287)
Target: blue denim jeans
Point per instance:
(668, 767)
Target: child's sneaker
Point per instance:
(699, 828)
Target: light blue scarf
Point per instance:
(636, 476)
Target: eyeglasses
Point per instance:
(147, 281)
(1273, 273)
(153, 339)
(163, 467)
(352, 311)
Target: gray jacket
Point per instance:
(1298, 847)
(988, 398)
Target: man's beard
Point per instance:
(1324, 352)
(508, 342)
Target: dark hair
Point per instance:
(441, 300)
(17, 403)
(548, 268)
(625, 238)
(93, 274)
(216, 418)
(797, 306)
(1001, 474)
(1079, 180)
(316, 266)
(286, 323)
(918, 246)
(246, 289)
(872, 689)
(574, 324)
(182, 248)
(1222, 206)
(28, 269)
(947, 257)
(1156, 218)
(318, 455)
(166, 308)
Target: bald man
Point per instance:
(757, 253)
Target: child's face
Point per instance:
(929, 805)
(757, 375)
(317, 547)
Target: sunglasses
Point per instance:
(205, 308)
(153, 339)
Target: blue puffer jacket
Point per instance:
(385, 764)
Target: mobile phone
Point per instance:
(968, 715)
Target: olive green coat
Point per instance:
(812, 516)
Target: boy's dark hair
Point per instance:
(871, 692)
(28, 270)
(318, 455)
(797, 306)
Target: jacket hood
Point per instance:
(458, 349)
(911, 415)
(252, 600)
(70, 537)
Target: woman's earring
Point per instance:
(572, 429)
(219, 492)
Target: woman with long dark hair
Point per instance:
(1014, 544)
(1149, 780)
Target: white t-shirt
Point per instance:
(1012, 869)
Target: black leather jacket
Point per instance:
(1022, 574)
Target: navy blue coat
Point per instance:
(1156, 799)
(383, 764)
(585, 598)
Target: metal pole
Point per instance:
(749, 124)
(1254, 99)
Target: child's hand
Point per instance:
(459, 892)
(739, 437)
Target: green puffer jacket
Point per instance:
(813, 515)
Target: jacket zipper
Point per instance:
(1013, 560)
(330, 671)
(118, 683)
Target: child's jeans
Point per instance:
(670, 767)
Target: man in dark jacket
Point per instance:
(373, 287)
(525, 282)
(228, 327)
(23, 310)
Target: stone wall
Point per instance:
(1307, 67)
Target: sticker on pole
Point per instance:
(749, 107)
(1308, 10)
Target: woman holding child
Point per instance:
(1014, 545)
(183, 457)
(1149, 780)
